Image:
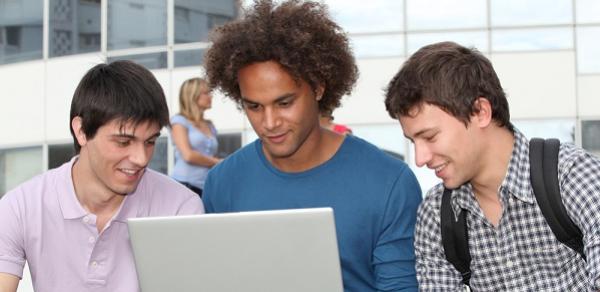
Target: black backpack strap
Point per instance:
(455, 237)
(543, 164)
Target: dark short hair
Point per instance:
(121, 90)
(300, 36)
(451, 77)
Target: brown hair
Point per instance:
(450, 76)
(300, 36)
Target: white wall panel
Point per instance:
(63, 75)
(589, 96)
(22, 103)
(164, 79)
(223, 113)
(538, 85)
(365, 104)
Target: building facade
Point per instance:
(547, 54)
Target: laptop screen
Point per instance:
(283, 250)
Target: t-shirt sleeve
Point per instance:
(208, 193)
(192, 206)
(393, 256)
(12, 254)
(179, 119)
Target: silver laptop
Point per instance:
(285, 250)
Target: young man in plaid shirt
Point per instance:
(451, 105)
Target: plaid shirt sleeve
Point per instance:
(580, 183)
(434, 272)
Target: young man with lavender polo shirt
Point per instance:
(69, 223)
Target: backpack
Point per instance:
(543, 165)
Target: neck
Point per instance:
(497, 152)
(92, 197)
(319, 147)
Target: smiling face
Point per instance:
(443, 144)
(284, 113)
(114, 160)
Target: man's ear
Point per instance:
(482, 117)
(319, 92)
(77, 126)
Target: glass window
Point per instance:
(588, 49)
(365, 46)
(562, 129)
(532, 39)
(18, 165)
(588, 11)
(150, 61)
(59, 154)
(21, 34)
(445, 14)
(136, 23)
(159, 158)
(477, 39)
(74, 27)
(531, 12)
(590, 136)
(229, 143)
(189, 58)
(195, 18)
(354, 16)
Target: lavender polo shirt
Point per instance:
(42, 221)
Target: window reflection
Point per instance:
(59, 154)
(356, 16)
(562, 129)
(20, 30)
(150, 61)
(532, 39)
(74, 27)
(588, 11)
(590, 136)
(18, 165)
(365, 46)
(195, 18)
(136, 23)
(588, 49)
(159, 158)
(189, 58)
(446, 14)
(477, 39)
(531, 12)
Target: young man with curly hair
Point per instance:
(284, 64)
(450, 103)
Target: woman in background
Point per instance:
(194, 137)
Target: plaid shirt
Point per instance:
(521, 253)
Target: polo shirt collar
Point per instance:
(70, 206)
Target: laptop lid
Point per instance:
(283, 250)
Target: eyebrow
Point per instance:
(420, 133)
(131, 136)
(279, 99)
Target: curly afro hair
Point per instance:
(298, 35)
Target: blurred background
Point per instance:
(546, 53)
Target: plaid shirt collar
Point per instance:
(515, 183)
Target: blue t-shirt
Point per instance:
(374, 198)
(190, 173)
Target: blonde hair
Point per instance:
(188, 98)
